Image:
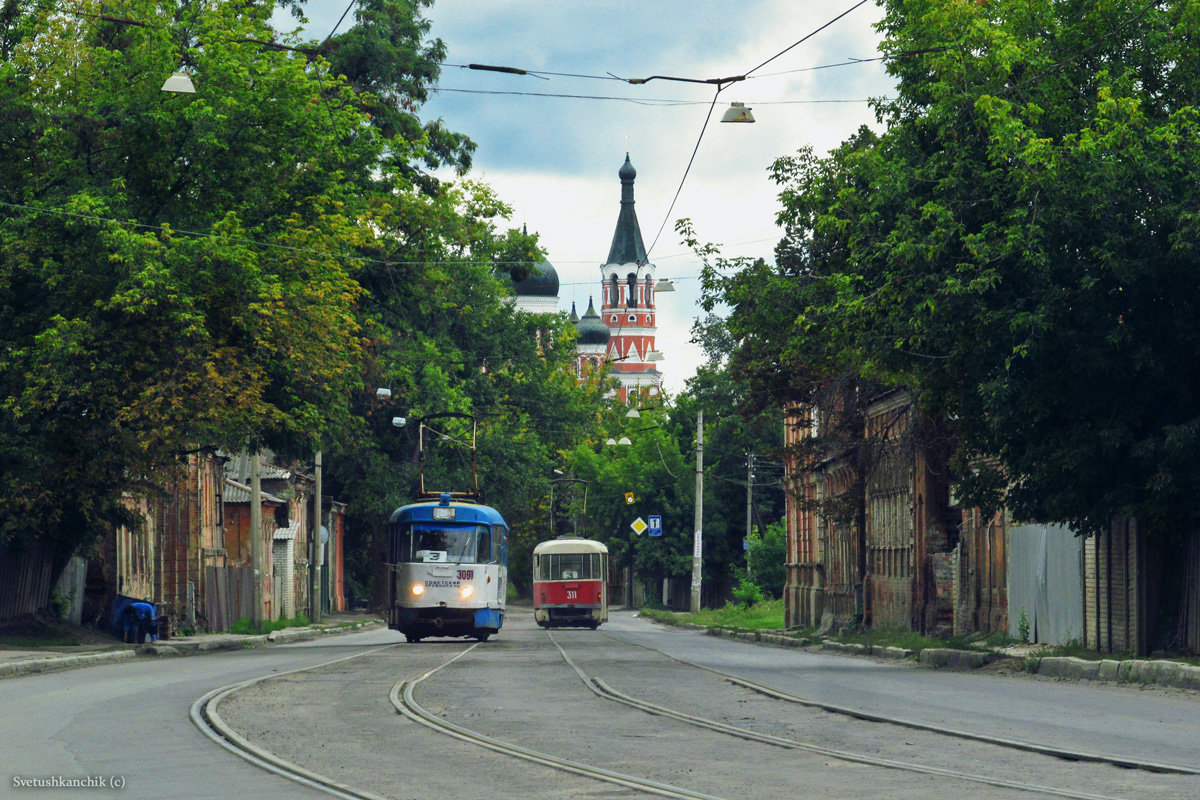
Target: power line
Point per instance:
(642, 101)
(721, 86)
(806, 38)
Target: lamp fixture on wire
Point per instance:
(737, 112)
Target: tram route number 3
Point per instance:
(466, 574)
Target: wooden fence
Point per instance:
(24, 581)
(229, 596)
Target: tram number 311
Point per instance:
(572, 594)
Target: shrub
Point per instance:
(747, 593)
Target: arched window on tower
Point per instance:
(614, 295)
(633, 290)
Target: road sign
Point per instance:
(655, 525)
(629, 498)
(638, 525)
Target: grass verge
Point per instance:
(767, 615)
(246, 626)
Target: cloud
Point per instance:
(555, 158)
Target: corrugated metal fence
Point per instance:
(1045, 581)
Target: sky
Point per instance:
(554, 158)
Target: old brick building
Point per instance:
(873, 539)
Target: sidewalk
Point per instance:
(16, 662)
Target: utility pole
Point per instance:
(698, 540)
(256, 543)
(749, 505)
(317, 549)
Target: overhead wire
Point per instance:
(716, 94)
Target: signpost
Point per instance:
(655, 525)
(639, 526)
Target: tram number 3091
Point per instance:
(466, 574)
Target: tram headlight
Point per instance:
(466, 591)
(418, 589)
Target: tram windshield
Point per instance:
(570, 567)
(437, 543)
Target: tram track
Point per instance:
(1054, 751)
(401, 695)
(404, 702)
(206, 716)
(601, 689)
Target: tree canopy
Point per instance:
(1017, 249)
(242, 267)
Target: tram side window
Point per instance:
(484, 553)
(400, 544)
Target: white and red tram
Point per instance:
(570, 583)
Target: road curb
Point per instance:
(1137, 672)
(30, 666)
(1171, 674)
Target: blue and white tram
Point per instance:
(449, 569)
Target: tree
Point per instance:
(768, 552)
(1017, 250)
(174, 270)
(733, 430)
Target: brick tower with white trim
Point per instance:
(627, 300)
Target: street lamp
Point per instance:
(737, 112)
(180, 83)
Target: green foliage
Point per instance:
(767, 615)
(173, 268)
(247, 264)
(747, 593)
(768, 553)
(1023, 627)
(246, 626)
(1017, 250)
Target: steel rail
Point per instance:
(205, 716)
(1065, 753)
(601, 689)
(402, 699)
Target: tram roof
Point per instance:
(569, 545)
(463, 512)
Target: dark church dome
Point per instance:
(591, 329)
(541, 282)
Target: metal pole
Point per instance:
(318, 549)
(256, 543)
(698, 540)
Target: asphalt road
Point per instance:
(129, 721)
(518, 688)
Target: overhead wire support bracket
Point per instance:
(720, 82)
(491, 68)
